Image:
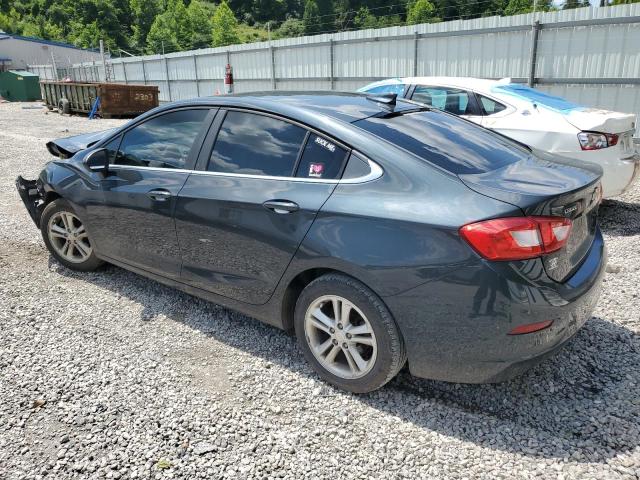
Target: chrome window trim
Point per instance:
(375, 172)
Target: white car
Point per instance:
(534, 118)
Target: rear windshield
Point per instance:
(525, 93)
(455, 145)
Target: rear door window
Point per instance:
(450, 100)
(453, 144)
(254, 144)
(164, 141)
(321, 158)
(490, 106)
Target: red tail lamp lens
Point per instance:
(517, 238)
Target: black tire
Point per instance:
(391, 354)
(91, 263)
(64, 106)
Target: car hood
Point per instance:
(67, 147)
(604, 121)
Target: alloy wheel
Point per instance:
(69, 237)
(340, 337)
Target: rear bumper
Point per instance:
(635, 162)
(619, 172)
(456, 329)
(31, 197)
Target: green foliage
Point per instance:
(143, 14)
(515, 7)
(310, 18)
(148, 25)
(199, 15)
(248, 34)
(172, 30)
(291, 27)
(569, 4)
(364, 19)
(225, 26)
(162, 35)
(422, 11)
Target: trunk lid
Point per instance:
(603, 121)
(558, 188)
(67, 147)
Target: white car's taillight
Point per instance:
(596, 141)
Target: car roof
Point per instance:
(308, 107)
(476, 84)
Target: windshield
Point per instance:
(536, 96)
(451, 143)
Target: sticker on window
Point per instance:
(324, 143)
(316, 169)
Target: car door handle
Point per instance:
(281, 206)
(159, 195)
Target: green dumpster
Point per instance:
(19, 86)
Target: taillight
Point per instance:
(596, 141)
(517, 238)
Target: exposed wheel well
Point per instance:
(50, 197)
(296, 286)
(293, 292)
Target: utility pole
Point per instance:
(104, 64)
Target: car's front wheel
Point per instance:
(66, 237)
(347, 334)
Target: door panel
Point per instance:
(139, 194)
(139, 229)
(231, 243)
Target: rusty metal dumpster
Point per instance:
(116, 99)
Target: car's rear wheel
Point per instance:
(347, 334)
(66, 237)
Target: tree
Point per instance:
(162, 35)
(172, 30)
(291, 27)
(200, 20)
(310, 18)
(516, 7)
(422, 11)
(143, 13)
(326, 15)
(224, 26)
(265, 10)
(569, 4)
(365, 19)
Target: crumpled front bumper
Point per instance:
(31, 197)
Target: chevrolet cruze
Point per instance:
(381, 231)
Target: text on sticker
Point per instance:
(329, 146)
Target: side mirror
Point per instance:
(98, 161)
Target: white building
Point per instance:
(17, 52)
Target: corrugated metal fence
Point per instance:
(588, 55)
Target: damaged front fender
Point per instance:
(31, 197)
(69, 146)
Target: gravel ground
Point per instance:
(110, 375)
